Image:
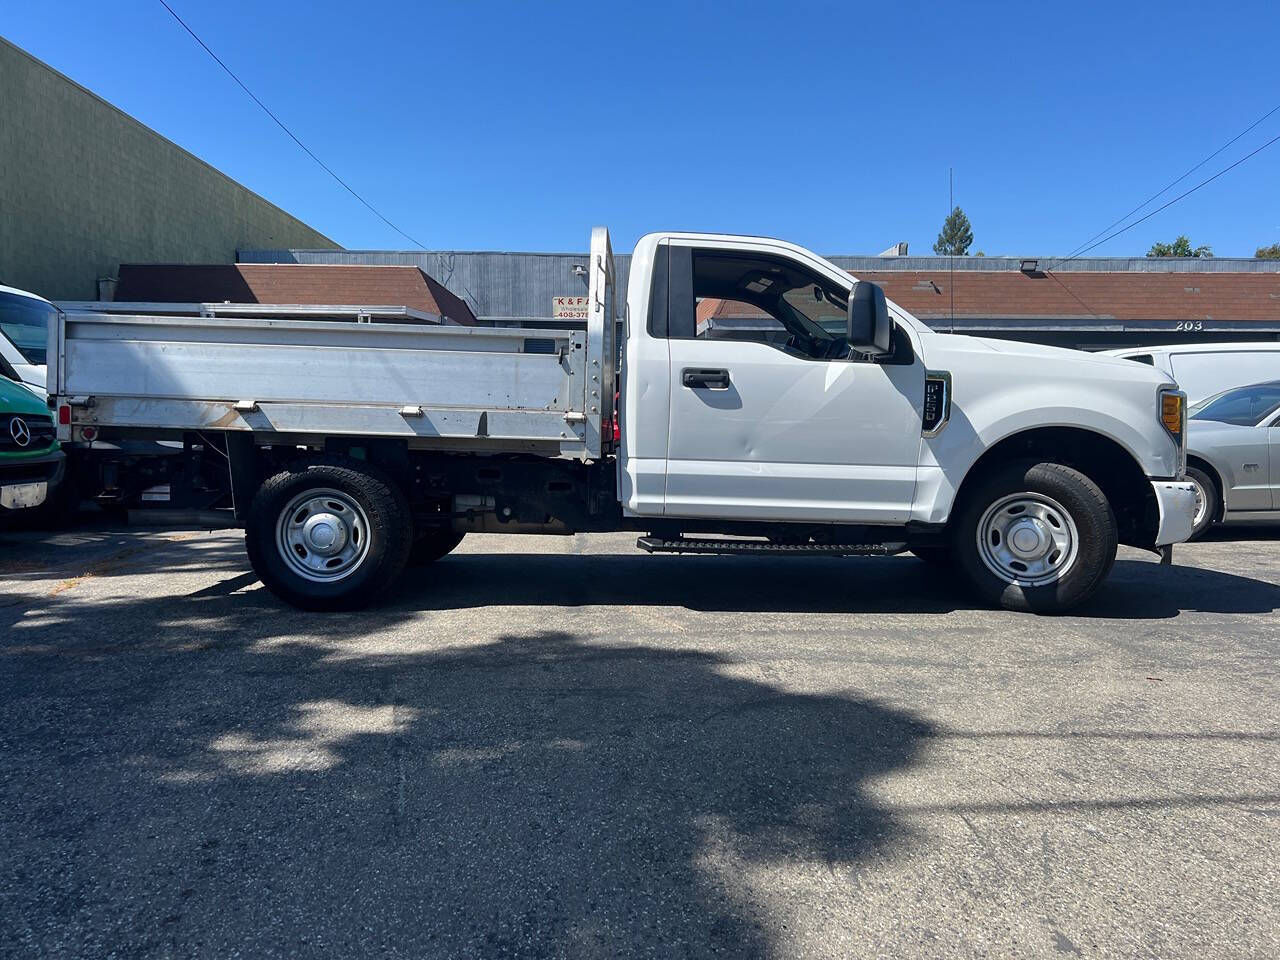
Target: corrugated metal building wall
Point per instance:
(497, 286)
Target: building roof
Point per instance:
(521, 287)
(291, 283)
(1131, 299)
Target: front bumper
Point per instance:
(47, 468)
(1176, 502)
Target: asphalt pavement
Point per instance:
(563, 747)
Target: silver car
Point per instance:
(1233, 456)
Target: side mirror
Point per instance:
(869, 328)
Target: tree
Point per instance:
(956, 235)
(1268, 253)
(1181, 247)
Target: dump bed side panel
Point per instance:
(552, 389)
(269, 376)
(131, 357)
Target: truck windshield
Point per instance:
(25, 323)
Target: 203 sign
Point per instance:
(1189, 326)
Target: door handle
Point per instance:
(705, 379)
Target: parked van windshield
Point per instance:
(25, 322)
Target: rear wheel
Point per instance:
(328, 533)
(1207, 499)
(1037, 537)
(431, 547)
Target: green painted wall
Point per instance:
(85, 187)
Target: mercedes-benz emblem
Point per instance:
(20, 432)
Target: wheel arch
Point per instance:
(1104, 460)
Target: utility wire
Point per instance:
(1089, 244)
(1175, 182)
(1165, 206)
(1072, 294)
(280, 123)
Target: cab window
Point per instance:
(768, 301)
(720, 295)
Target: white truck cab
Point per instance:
(838, 424)
(25, 320)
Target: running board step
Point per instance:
(683, 545)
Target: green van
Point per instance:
(31, 461)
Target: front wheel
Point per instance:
(328, 533)
(1037, 537)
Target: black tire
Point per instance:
(1212, 498)
(938, 556)
(1071, 496)
(431, 547)
(383, 547)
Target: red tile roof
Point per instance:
(332, 284)
(1076, 294)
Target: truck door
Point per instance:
(771, 416)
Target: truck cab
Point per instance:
(823, 417)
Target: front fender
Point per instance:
(986, 419)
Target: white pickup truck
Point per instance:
(833, 423)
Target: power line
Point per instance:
(1170, 186)
(1088, 245)
(292, 136)
(1165, 206)
(1072, 294)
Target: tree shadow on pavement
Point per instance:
(108, 552)
(214, 776)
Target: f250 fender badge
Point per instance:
(937, 402)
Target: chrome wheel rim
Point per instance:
(323, 535)
(1028, 539)
(1202, 505)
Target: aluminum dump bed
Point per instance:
(284, 380)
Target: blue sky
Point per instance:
(518, 126)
